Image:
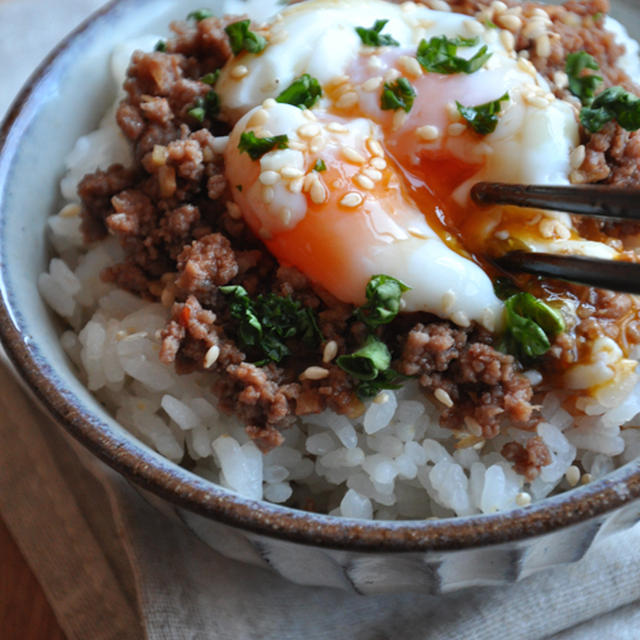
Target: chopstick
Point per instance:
(594, 272)
(590, 200)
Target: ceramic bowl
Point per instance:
(64, 100)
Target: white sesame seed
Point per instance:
(285, 215)
(510, 22)
(508, 40)
(473, 426)
(375, 148)
(378, 163)
(318, 193)
(452, 111)
(461, 319)
(258, 119)
(439, 5)
(535, 101)
(159, 155)
(526, 66)
(561, 79)
(296, 145)
(234, 210)
(353, 156)
(372, 84)
(473, 27)
(330, 351)
(268, 103)
(351, 200)
(381, 398)
(543, 46)
(489, 319)
(239, 71)
(498, 7)
(211, 356)
(372, 174)
(70, 211)
(534, 28)
(347, 100)
(586, 478)
(314, 373)
(268, 194)
(523, 499)
(391, 75)
(317, 144)
(290, 172)
(407, 7)
(295, 186)
(410, 66)
(308, 130)
(337, 127)
(442, 396)
(336, 81)
(578, 156)
(428, 133)
(572, 475)
(399, 118)
(269, 178)
(279, 36)
(456, 128)
(309, 179)
(448, 300)
(364, 182)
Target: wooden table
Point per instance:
(25, 613)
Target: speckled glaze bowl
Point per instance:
(65, 99)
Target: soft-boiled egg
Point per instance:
(394, 196)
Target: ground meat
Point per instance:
(529, 459)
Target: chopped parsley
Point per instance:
(372, 37)
(616, 104)
(200, 14)
(257, 147)
(483, 119)
(530, 326)
(582, 85)
(303, 92)
(439, 55)
(211, 78)
(490, 24)
(399, 95)
(205, 107)
(161, 46)
(319, 165)
(266, 322)
(241, 38)
(383, 301)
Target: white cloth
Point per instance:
(113, 567)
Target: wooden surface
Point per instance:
(25, 613)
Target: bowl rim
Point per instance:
(186, 490)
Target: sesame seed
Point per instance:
(536, 101)
(456, 128)
(526, 66)
(428, 133)
(391, 75)
(308, 130)
(489, 319)
(268, 194)
(278, 37)
(372, 84)
(330, 351)
(534, 28)
(285, 215)
(439, 5)
(347, 100)
(473, 426)
(297, 145)
(239, 71)
(336, 127)
(523, 499)
(410, 66)
(336, 81)
(510, 22)
(258, 119)
(372, 174)
(309, 115)
(572, 475)
(461, 319)
(351, 155)
(364, 182)
(399, 118)
(508, 40)
(375, 148)
(448, 300)
(70, 211)
(268, 103)
(473, 27)
(317, 144)
(442, 396)
(586, 478)
(561, 79)
(498, 7)
(351, 200)
(269, 178)
(318, 193)
(234, 210)
(309, 179)
(211, 356)
(381, 398)
(408, 6)
(295, 186)
(578, 156)
(378, 163)
(452, 111)
(290, 172)
(160, 155)
(543, 46)
(314, 373)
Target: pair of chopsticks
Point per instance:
(590, 200)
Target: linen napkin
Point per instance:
(114, 567)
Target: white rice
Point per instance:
(394, 461)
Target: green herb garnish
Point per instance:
(161, 46)
(207, 106)
(616, 104)
(531, 323)
(264, 323)
(490, 24)
(241, 38)
(483, 119)
(211, 78)
(383, 301)
(439, 55)
(399, 95)
(581, 85)
(257, 147)
(319, 165)
(200, 14)
(373, 38)
(303, 92)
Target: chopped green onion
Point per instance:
(616, 104)
(483, 119)
(241, 38)
(211, 78)
(372, 38)
(439, 55)
(383, 301)
(303, 92)
(319, 165)
(200, 14)
(257, 147)
(399, 95)
(582, 86)
(161, 46)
